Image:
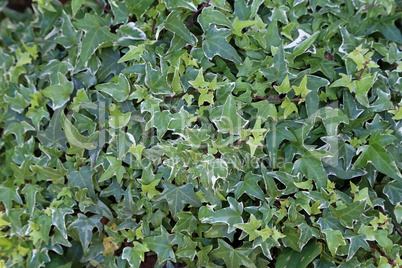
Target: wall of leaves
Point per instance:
(201, 133)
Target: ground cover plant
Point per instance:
(201, 133)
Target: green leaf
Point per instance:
(303, 46)
(250, 227)
(75, 138)
(156, 81)
(210, 16)
(302, 88)
(392, 191)
(356, 242)
(386, 27)
(96, 34)
(289, 107)
(117, 118)
(186, 223)
(229, 216)
(175, 25)
(334, 240)
(75, 5)
(229, 121)
(272, 37)
(249, 186)
(293, 259)
(82, 179)
(119, 91)
(347, 216)
(215, 44)
(398, 213)
(276, 135)
(8, 195)
(238, 26)
(178, 196)
(135, 255)
(378, 156)
(161, 245)
(232, 257)
(18, 129)
(278, 71)
(311, 168)
(58, 219)
(160, 120)
(331, 119)
(138, 7)
(53, 134)
(115, 169)
(284, 87)
(85, 226)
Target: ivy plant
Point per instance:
(201, 133)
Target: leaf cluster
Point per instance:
(203, 133)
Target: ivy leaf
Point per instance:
(82, 179)
(210, 16)
(265, 110)
(135, 255)
(392, 191)
(138, 7)
(156, 81)
(293, 259)
(249, 186)
(75, 138)
(356, 242)
(18, 129)
(119, 91)
(160, 120)
(161, 245)
(174, 24)
(285, 86)
(289, 107)
(311, 168)
(386, 27)
(250, 227)
(233, 257)
(85, 226)
(378, 156)
(302, 88)
(115, 169)
(331, 119)
(229, 216)
(334, 240)
(96, 34)
(178, 196)
(215, 44)
(240, 25)
(53, 134)
(229, 121)
(186, 223)
(348, 215)
(117, 118)
(278, 71)
(58, 218)
(303, 46)
(276, 135)
(8, 195)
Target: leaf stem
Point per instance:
(102, 6)
(362, 71)
(390, 261)
(190, 21)
(240, 141)
(277, 99)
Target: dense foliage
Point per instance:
(211, 134)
